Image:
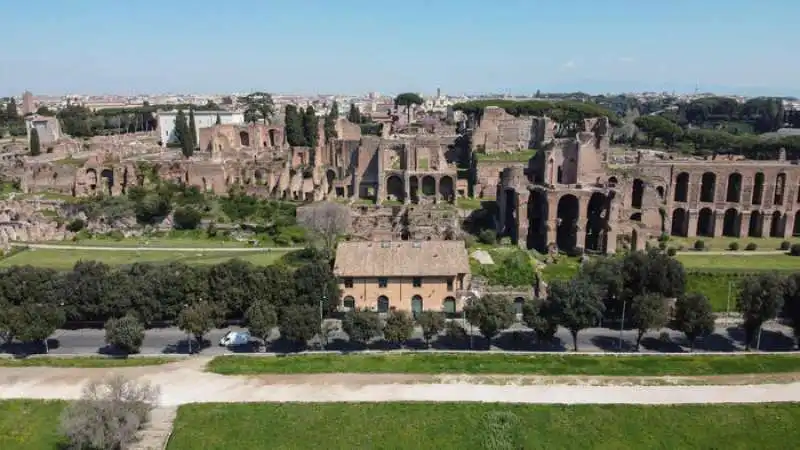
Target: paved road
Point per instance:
(154, 249)
(171, 340)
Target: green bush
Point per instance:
(751, 247)
(795, 250)
(699, 245)
(733, 246)
(488, 237)
(785, 245)
(76, 225)
(662, 245)
(664, 237)
(671, 251)
(186, 218)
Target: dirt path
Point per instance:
(154, 249)
(185, 382)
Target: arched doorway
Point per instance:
(730, 223)
(796, 231)
(383, 304)
(349, 303)
(660, 192)
(91, 178)
(428, 186)
(395, 188)
(705, 223)
(612, 181)
(734, 192)
(447, 189)
(708, 184)
(416, 306)
(637, 193)
(107, 175)
(758, 189)
(596, 221)
(330, 176)
(413, 187)
(682, 187)
(537, 221)
(519, 302)
(680, 222)
(756, 221)
(777, 225)
(244, 138)
(568, 213)
(780, 188)
(449, 306)
(510, 226)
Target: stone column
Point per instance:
(611, 241)
(692, 229)
(788, 230)
(719, 223)
(436, 196)
(744, 224)
(766, 225)
(407, 188)
(522, 221)
(552, 228)
(580, 237)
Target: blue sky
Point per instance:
(356, 46)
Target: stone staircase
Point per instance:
(156, 433)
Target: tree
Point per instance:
(326, 220)
(648, 311)
(651, 271)
(791, 303)
(432, 323)
(760, 299)
(330, 121)
(11, 110)
(299, 323)
(33, 322)
(258, 105)
(398, 328)
(108, 414)
(491, 314)
(408, 99)
(125, 333)
(261, 318)
(198, 319)
(354, 114)
(183, 134)
(192, 130)
(310, 127)
(293, 127)
(186, 218)
(540, 316)
(219, 120)
(694, 316)
(35, 145)
(361, 326)
(577, 303)
(659, 127)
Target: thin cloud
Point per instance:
(571, 64)
(625, 59)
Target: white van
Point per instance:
(234, 338)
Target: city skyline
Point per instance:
(318, 47)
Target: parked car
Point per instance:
(234, 338)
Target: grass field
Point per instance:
(29, 424)
(468, 426)
(433, 363)
(65, 259)
(721, 243)
(733, 262)
(513, 155)
(153, 243)
(84, 362)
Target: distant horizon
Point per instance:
(517, 46)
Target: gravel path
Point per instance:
(185, 382)
(156, 249)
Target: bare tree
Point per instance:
(109, 413)
(326, 220)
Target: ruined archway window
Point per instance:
(538, 210)
(777, 225)
(707, 187)
(660, 192)
(756, 222)
(796, 231)
(730, 223)
(680, 222)
(637, 193)
(244, 138)
(568, 213)
(734, 192)
(596, 222)
(758, 188)
(428, 186)
(705, 223)
(612, 181)
(395, 188)
(446, 188)
(682, 187)
(510, 221)
(780, 188)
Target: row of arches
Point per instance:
(734, 188)
(732, 223)
(383, 305)
(104, 180)
(426, 185)
(568, 222)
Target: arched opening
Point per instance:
(560, 175)
(637, 193)
(538, 210)
(660, 191)
(349, 303)
(244, 138)
(780, 188)
(519, 302)
(596, 221)
(568, 212)
(383, 304)
(756, 222)
(416, 306)
(428, 186)
(680, 222)
(449, 306)
(413, 186)
(734, 191)
(796, 231)
(272, 138)
(395, 188)
(682, 187)
(758, 189)
(636, 217)
(260, 176)
(705, 223)
(446, 189)
(91, 179)
(510, 223)
(730, 223)
(707, 186)
(777, 225)
(107, 175)
(330, 176)
(612, 181)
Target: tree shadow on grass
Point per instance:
(24, 349)
(661, 345)
(771, 340)
(460, 342)
(186, 347)
(612, 344)
(716, 342)
(282, 345)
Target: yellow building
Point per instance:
(403, 275)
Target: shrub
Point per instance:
(488, 237)
(671, 251)
(76, 225)
(469, 240)
(699, 245)
(785, 245)
(751, 246)
(186, 218)
(662, 245)
(795, 250)
(733, 246)
(663, 238)
(125, 334)
(108, 414)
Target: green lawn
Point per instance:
(479, 426)
(168, 242)
(30, 424)
(469, 203)
(65, 259)
(440, 363)
(699, 261)
(513, 155)
(84, 362)
(721, 243)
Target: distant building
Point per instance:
(404, 275)
(48, 128)
(202, 119)
(28, 105)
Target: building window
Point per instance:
(383, 282)
(449, 284)
(383, 304)
(349, 303)
(348, 282)
(417, 282)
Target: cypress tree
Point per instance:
(219, 119)
(183, 134)
(354, 115)
(35, 146)
(293, 127)
(192, 130)
(310, 127)
(330, 121)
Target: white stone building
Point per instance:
(202, 119)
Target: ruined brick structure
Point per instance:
(406, 222)
(498, 131)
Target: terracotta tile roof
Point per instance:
(401, 258)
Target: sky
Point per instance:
(359, 46)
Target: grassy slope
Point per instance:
(29, 424)
(433, 363)
(84, 362)
(463, 426)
